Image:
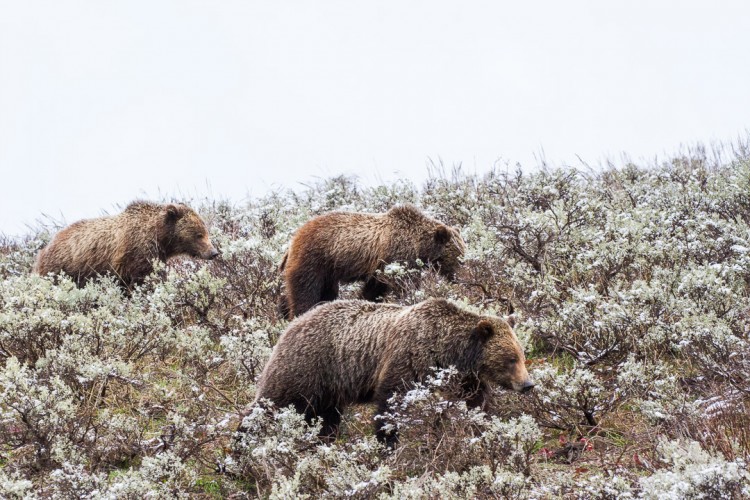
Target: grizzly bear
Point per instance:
(351, 246)
(126, 244)
(354, 351)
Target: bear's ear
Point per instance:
(173, 212)
(442, 235)
(483, 330)
(511, 319)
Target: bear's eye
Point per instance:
(511, 360)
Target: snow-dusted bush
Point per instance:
(569, 399)
(632, 289)
(691, 472)
(284, 456)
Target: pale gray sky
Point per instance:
(104, 102)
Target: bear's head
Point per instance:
(449, 250)
(502, 361)
(432, 241)
(186, 233)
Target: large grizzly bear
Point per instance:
(354, 351)
(350, 246)
(126, 244)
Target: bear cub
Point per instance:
(351, 246)
(126, 244)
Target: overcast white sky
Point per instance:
(105, 102)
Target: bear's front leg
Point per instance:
(374, 290)
(331, 419)
(389, 437)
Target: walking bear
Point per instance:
(126, 244)
(354, 351)
(350, 246)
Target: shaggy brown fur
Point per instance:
(353, 351)
(349, 246)
(126, 244)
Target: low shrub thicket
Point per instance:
(631, 284)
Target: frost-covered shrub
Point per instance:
(73, 481)
(410, 285)
(269, 442)
(570, 399)
(248, 346)
(93, 378)
(632, 288)
(466, 451)
(347, 470)
(190, 295)
(17, 256)
(691, 472)
(383, 198)
(403, 280)
(425, 415)
(477, 482)
(593, 328)
(38, 417)
(283, 456)
(607, 487)
(160, 476)
(13, 485)
(653, 390)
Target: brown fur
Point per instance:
(353, 351)
(350, 246)
(126, 244)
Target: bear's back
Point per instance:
(337, 345)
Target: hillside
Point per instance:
(632, 287)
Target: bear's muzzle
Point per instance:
(526, 387)
(211, 254)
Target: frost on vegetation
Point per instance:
(347, 470)
(72, 356)
(477, 482)
(653, 390)
(691, 472)
(278, 448)
(484, 240)
(160, 476)
(163, 475)
(395, 269)
(568, 399)
(274, 436)
(610, 486)
(247, 346)
(34, 406)
(632, 288)
(429, 411)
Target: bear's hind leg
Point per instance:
(304, 291)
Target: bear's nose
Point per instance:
(526, 387)
(213, 254)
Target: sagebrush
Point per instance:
(631, 285)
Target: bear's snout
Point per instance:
(211, 254)
(526, 387)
